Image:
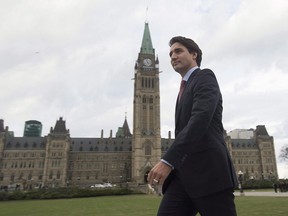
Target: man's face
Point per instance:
(181, 59)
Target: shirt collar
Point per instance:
(188, 74)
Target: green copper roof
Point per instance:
(147, 47)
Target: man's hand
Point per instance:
(159, 173)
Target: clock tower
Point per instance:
(146, 142)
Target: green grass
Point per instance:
(264, 206)
(134, 205)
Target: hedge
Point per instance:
(58, 193)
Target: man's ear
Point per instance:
(194, 55)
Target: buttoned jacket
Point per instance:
(199, 154)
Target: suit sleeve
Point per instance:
(203, 100)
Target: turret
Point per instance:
(1, 125)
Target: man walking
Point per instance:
(196, 172)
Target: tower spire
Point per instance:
(147, 47)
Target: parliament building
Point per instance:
(59, 160)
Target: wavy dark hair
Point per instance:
(190, 45)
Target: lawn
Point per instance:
(134, 205)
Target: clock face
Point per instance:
(147, 62)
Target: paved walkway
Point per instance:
(264, 193)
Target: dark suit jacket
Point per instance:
(199, 155)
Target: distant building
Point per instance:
(253, 153)
(241, 134)
(59, 160)
(33, 128)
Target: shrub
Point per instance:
(257, 184)
(58, 193)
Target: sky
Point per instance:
(75, 59)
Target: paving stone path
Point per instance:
(264, 193)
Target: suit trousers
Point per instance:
(176, 202)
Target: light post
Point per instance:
(53, 183)
(240, 178)
(252, 181)
(78, 178)
(121, 181)
(31, 183)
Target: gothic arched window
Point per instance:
(51, 175)
(58, 175)
(148, 149)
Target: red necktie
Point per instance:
(182, 86)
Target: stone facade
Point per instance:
(58, 160)
(253, 153)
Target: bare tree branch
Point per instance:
(284, 153)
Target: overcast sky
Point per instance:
(75, 59)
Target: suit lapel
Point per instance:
(186, 89)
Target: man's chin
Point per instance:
(177, 69)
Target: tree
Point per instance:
(284, 153)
